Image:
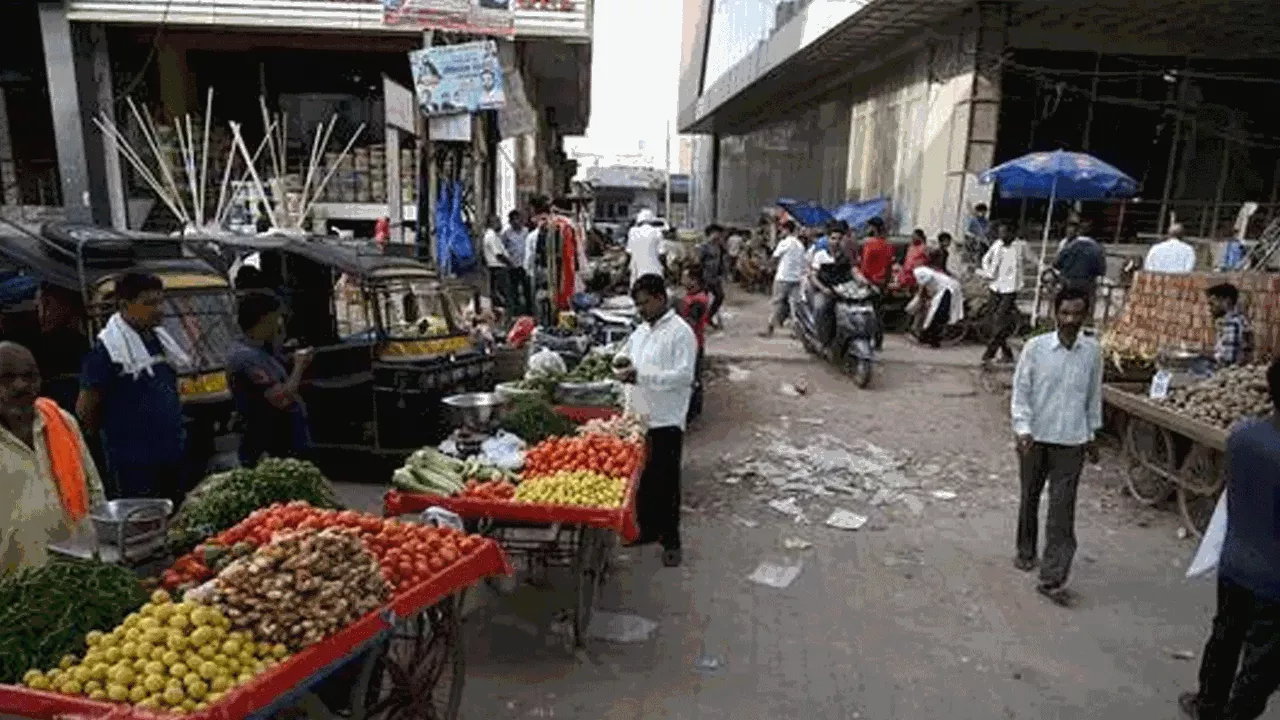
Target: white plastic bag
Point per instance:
(546, 362)
(1210, 550)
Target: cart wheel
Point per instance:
(1203, 471)
(424, 668)
(586, 574)
(1196, 510)
(1147, 445)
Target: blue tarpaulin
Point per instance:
(806, 212)
(858, 213)
(17, 289)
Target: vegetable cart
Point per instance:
(1169, 453)
(409, 652)
(582, 539)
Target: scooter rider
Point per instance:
(828, 271)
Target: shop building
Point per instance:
(832, 100)
(310, 60)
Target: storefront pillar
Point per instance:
(64, 101)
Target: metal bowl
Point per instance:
(476, 411)
(130, 520)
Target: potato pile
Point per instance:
(301, 588)
(1231, 394)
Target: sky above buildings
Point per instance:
(634, 77)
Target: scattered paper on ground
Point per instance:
(775, 576)
(620, 627)
(842, 519)
(795, 543)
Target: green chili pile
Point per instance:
(45, 612)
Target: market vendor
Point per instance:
(129, 394)
(48, 481)
(265, 393)
(660, 360)
(1233, 340)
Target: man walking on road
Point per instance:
(1056, 409)
(1002, 265)
(513, 239)
(789, 256)
(1246, 628)
(663, 356)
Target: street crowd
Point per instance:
(128, 403)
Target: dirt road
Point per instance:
(917, 615)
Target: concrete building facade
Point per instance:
(831, 100)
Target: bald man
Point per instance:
(1172, 256)
(47, 478)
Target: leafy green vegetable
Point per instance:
(45, 612)
(534, 420)
(225, 499)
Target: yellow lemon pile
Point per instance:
(581, 488)
(176, 657)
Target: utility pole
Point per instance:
(667, 210)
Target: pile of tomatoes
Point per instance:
(604, 454)
(489, 490)
(407, 553)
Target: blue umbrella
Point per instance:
(1057, 175)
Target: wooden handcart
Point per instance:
(1169, 454)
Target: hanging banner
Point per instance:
(462, 78)
(480, 17)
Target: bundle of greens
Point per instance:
(45, 612)
(225, 499)
(534, 420)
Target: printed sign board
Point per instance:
(463, 78)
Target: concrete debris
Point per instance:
(775, 576)
(744, 522)
(708, 663)
(913, 504)
(795, 543)
(1182, 654)
(731, 479)
(789, 390)
(812, 421)
(842, 519)
(944, 495)
(738, 374)
(787, 507)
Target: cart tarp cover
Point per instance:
(806, 212)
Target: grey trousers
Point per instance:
(1059, 466)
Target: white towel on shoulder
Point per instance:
(125, 347)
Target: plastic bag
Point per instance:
(546, 362)
(1210, 550)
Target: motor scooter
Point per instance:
(851, 347)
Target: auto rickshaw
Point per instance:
(86, 260)
(386, 333)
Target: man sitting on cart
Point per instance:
(48, 481)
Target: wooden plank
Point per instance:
(1144, 408)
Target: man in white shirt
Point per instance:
(514, 238)
(1171, 256)
(644, 246)
(945, 295)
(495, 258)
(1002, 265)
(789, 255)
(1056, 411)
(663, 354)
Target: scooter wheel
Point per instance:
(862, 373)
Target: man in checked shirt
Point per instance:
(1234, 342)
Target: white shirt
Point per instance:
(820, 258)
(790, 256)
(644, 243)
(1170, 256)
(494, 250)
(531, 249)
(937, 282)
(664, 354)
(1057, 392)
(1002, 265)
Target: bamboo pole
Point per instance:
(204, 154)
(238, 139)
(324, 183)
